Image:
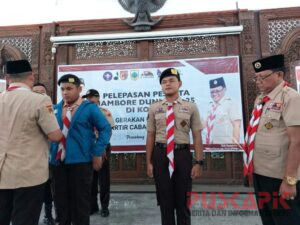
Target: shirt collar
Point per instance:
(19, 84)
(178, 100)
(76, 103)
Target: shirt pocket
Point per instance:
(160, 121)
(273, 118)
(183, 122)
(268, 146)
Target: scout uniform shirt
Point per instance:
(26, 118)
(271, 140)
(186, 117)
(227, 111)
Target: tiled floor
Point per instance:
(141, 209)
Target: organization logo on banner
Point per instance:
(107, 76)
(134, 74)
(123, 74)
(116, 77)
(147, 74)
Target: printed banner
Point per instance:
(298, 78)
(127, 90)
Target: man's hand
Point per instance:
(97, 162)
(150, 170)
(196, 171)
(287, 192)
(104, 156)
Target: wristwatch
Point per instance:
(291, 180)
(200, 162)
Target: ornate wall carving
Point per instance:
(7, 53)
(24, 44)
(185, 46)
(99, 50)
(278, 29)
(247, 37)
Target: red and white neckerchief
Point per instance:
(210, 123)
(170, 124)
(250, 139)
(61, 152)
(14, 88)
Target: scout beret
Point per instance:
(69, 78)
(169, 72)
(91, 93)
(268, 63)
(18, 66)
(217, 82)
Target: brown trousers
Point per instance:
(172, 193)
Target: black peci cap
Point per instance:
(18, 66)
(217, 82)
(269, 63)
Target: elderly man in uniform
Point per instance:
(223, 124)
(26, 121)
(276, 141)
(102, 176)
(74, 158)
(169, 159)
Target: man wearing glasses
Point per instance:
(276, 140)
(224, 118)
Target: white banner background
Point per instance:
(127, 90)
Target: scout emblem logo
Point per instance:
(257, 65)
(107, 76)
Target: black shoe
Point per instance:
(48, 221)
(94, 209)
(104, 212)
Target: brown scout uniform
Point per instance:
(172, 192)
(186, 117)
(271, 141)
(26, 118)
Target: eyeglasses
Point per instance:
(262, 78)
(217, 91)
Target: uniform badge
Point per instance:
(183, 123)
(269, 125)
(49, 108)
(184, 110)
(160, 110)
(257, 65)
(275, 106)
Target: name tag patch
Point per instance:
(275, 107)
(160, 110)
(184, 110)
